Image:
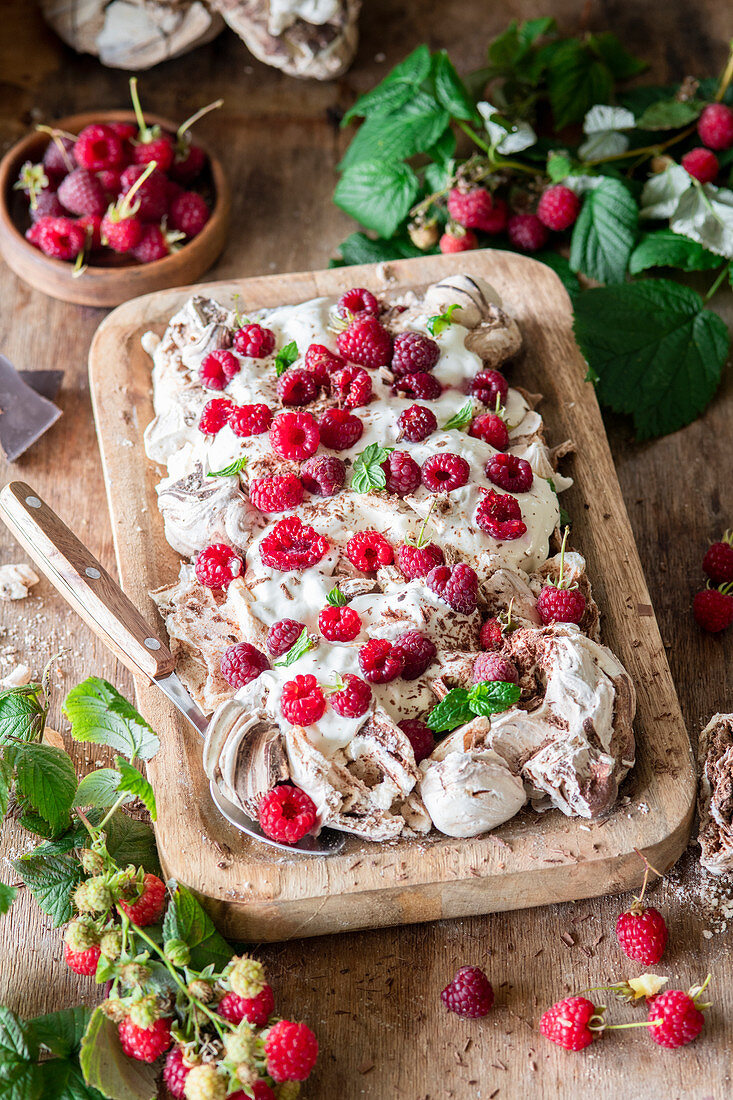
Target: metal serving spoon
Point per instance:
(97, 598)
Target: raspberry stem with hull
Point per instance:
(189, 122)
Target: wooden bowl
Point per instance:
(122, 278)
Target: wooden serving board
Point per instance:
(259, 895)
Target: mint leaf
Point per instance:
(664, 248)
(450, 89)
(132, 841)
(576, 79)
(461, 418)
(51, 880)
(670, 114)
(285, 358)
(106, 1067)
(99, 789)
(395, 89)
(21, 714)
(391, 138)
(7, 897)
(235, 467)
(336, 597)
(46, 779)
(492, 696)
(300, 646)
(61, 1032)
(186, 920)
(441, 321)
(657, 352)
(378, 194)
(451, 712)
(98, 713)
(368, 474)
(604, 234)
(139, 787)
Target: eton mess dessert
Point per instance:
(376, 599)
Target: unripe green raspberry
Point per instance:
(202, 990)
(114, 1010)
(93, 896)
(91, 861)
(111, 944)
(144, 1012)
(247, 1075)
(134, 974)
(80, 936)
(241, 1044)
(288, 1090)
(205, 1083)
(177, 952)
(247, 977)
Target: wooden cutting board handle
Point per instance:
(83, 582)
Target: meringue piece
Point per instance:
(198, 510)
(473, 295)
(715, 753)
(17, 677)
(469, 793)
(496, 339)
(16, 581)
(505, 588)
(244, 755)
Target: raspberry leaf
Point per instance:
(492, 696)
(604, 234)
(654, 350)
(186, 920)
(669, 114)
(378, 194)
(98, 789)
(391, 138)
(61, 1032)
(7, 897)
(300, 646)
(460, 419)
(336, 597)
(233, 469)
(138, 786)
(132, 841)
(106, 1067)
(441, 321)
(451, 712)
(22, 715)
(368, 473)
(46, 781)
(576, 80)
(450, 89)
(98, 713)
(284, 359)
(396, 88)
(360, 249)
(51, 880)
(705, 213)
(665, 248)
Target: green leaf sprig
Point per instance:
(231, 470)
(286, 357)
(442, 321)
(460, 705)
(368, 474)
(461, 419)
(298, 649)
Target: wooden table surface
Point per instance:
(373, 997)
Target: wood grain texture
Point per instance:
(373, 996)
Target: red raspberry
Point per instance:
(254, 341)
(294, 436)
(413, 352)
(494, 668)
(121, 233)
(302, 701)
(417, 422)
(339, 624)
(246, 420)
(189, 213)
(291, 1051)
(456, 584)
(189, 162)
(487, 386)
(242, 663)
(352, 386)
(151, 195)
(558, 208)
(492, 635)
(366, 342)
(491, 429)
(283, 635)
(560, 605)
(280, 493)
(218, 368)
(158, 148)
(218, 565)
(255, 1010)
(380, 662)
(92, 226)
(98, 147)
(500, 516)
(469, 994)
(444, 472)
(477, 209)
(124, 130)
(701, 164)
(718, 562)
(526, 232)
(681, 1019)
(419, 386)
(48, 206)
(713, 610)
(454, 242)
(353, 699)
(566, 1023)
(148, 908)
(357, 300)
(110, 179)
(418, 653)
(642, 934)
(297, 387)
(323, 475)
(58, 158)
(153, 245)
(82, 962)
(260, 1091)
(292, 545)
(60, 238)
(175, 1073)
(322, 362)
(715, 126)
(417, 561)
(145, 1044)
(286, 813)
(402, 473)
(367, 550)
(420, 737)
(510, 473)
(340, 429)
(82, 193)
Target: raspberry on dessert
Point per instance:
(352, 387)
(402, 473)
(294, 436)
(491, 637)
(417, 422)
(82, 962)
(215, 415)
(340, 429)
(701, 164)
(189, 213)
(255, 1010)
(418, 653)
(323, 475)
(718, 561)
(444, 472)
(297, 387)
(246, 420)
(367, 550)
(148, 906)
(98, 147)
(292, 544)
(417, 561)
(713, 610)
(287, 813)
(283, 635)
(510, 473)
(469, 994)
(380, 662)
(280, 493)
(491, 429)
(560, 605)
(420, 737)
(60, 238)
(715, 126)
(500, 516)
(241, 663)
(365, 342)
(291, 1051)
(677, 1019)
(494, 668)
(457, 585)
(353, 697)
(145, 1044)
(218, 368)
(458, 242)
(526, 232)
(151, 195)
(558, 208)
(322, 362)
(175, 1073)
(477, 209)
(302, 700)
(81, 193)
(566, 1023)
(419, 386)
(218, 565)
(413, 352)
(339, 624)
(357, 300)
(642, 934)
(488, 387)
(254, 341)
